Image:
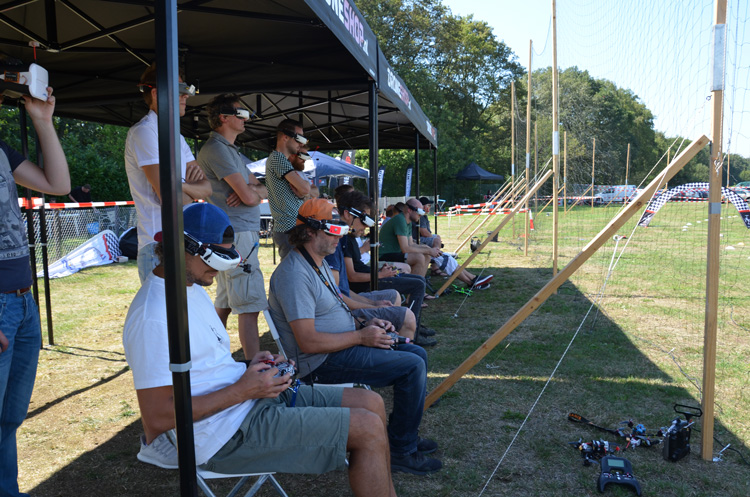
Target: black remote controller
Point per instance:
(618, 471)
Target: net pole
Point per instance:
(528, 157)
(714, 228)
(555, 140)
(513, 147)
(593, 164)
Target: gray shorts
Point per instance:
(396, 315)
(242, 292)
(308, 438)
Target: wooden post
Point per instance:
(492, 235)
(593, 163)
(536, 161)
(627, 165)
(565, 169)
(555, 140)
(513, 145)
(714, 228)
(542, 295)
(528, 157)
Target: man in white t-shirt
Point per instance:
(142, 168)
(242, 413)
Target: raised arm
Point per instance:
(55, 177)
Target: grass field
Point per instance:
(635, 355)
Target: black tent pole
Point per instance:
(165, 21)
(416, 164)
(45, 258)
(30, 228)
(374, 193)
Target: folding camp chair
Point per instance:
(202, 475)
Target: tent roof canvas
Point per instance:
(474, 172)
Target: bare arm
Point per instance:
(311, 341)
(157, 404)
(352, 275)
(300, 186)
(407, 246)
(197, 187)
(247, 193)
(55, 177)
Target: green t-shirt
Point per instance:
(394, 227)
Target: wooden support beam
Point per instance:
(542, 295)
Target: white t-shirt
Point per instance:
(142, 149)
(147, 350)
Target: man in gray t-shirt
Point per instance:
(311, 316)
(239, 194)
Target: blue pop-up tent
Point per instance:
(321, 166)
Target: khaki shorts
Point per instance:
(242, 292)
(308, 438)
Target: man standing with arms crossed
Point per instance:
(142, 168)
(286, 188)
(238, 193)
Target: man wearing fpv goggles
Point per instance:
(238, 193)
(319, 330)
(142, 168)
(286, 188)
(246, 416)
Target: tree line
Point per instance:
(460, 73)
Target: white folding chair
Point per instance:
(202, 475)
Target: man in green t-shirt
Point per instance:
(397, 243)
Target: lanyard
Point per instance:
(328, 284)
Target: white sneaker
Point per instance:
(160, 452)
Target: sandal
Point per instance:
(439, 272)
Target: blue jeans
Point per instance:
(412, 285)
(19, 322)
(405, 369)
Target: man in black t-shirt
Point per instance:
(81, 194)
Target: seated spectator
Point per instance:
(396, 240)
(243, 420)
(421, 232)
(332, 346)
(352, 207)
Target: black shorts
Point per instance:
(393, 257)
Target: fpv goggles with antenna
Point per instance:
(216, 256)
(366, 220)
(297, 137)
(18, 79)
(335, 226)
(183, 88)
(238, 112)
(304, 156)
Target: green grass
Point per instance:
(81, 437)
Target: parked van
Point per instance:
(617, 193)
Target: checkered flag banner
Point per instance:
(658, 202)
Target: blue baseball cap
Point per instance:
(206, 223)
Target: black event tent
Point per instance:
(314, 60)
(474, 172)
(309, 60)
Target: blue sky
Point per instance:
(658, 49)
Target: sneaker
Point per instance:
(425, 331)
(424, 341)
(482, 287)
(160, 452)
(416, 463)
(481, 281)
(426, 446)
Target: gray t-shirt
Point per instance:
(218, 158)
(296, 292)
